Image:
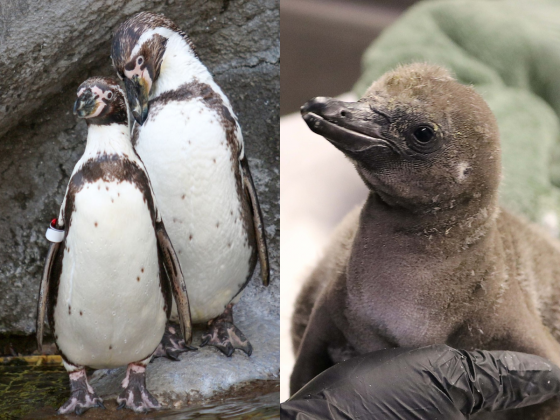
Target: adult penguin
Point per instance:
(103, 286)
(190, 141)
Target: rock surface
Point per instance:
(47, 51)
(202, 374)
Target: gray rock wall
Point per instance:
(47, 49)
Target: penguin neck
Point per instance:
(108, 139)
(179, 66)
(456, 228)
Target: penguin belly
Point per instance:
(110, 309)
(185, 149)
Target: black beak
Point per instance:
(351, 127)
(137, 93)
(85, 104)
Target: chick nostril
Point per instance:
(343, 113)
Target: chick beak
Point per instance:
(138, 91)
(351, 127)
(85, 105)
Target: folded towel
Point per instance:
(510, 52)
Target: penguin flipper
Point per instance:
(175, 275)
(44, 293)
(257, 221)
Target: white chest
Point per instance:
(109, 309)
(185, 150)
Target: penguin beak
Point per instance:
(352, 127)
(85, 105)
(138, 91)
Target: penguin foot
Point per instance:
(172, 344)
(135, 396)
(82, 395)
(225, 336)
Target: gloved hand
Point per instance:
(429, 383)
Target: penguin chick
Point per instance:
(188, 136)
(430, 258)
(107, 298)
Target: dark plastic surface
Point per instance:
(436, 383)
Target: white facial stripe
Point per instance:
(100, 104)
(81, 91)
(165, 32)
(97, 91)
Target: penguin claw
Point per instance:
(225, 336)
(172, 344)
(205, 340)
(121, 405)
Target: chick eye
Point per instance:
(140, 60)
(424, 134)
(109, 95)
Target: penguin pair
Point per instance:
(430, 258)
(105, 284)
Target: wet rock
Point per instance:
(200, 375)
(46, 52)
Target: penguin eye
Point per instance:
(423, 139)
(140, 60)
(423, 134)
(109, 95)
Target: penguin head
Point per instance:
(138, 48)
(101, 101)
(418, 138)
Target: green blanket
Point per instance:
(510, 52)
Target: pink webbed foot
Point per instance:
(135, 396)
(225, 336)
(172, 344)
(82, 395)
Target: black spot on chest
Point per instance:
(211, 98)
(108, 168)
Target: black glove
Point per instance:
(430, 383)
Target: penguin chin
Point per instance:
(345, 139)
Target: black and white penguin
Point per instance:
(103, 287)
(190, 141)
